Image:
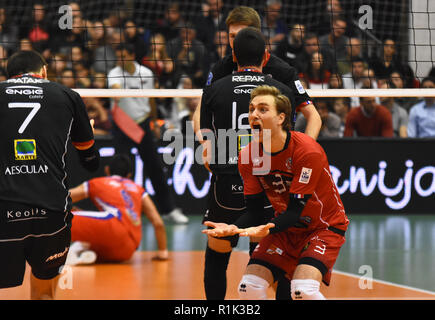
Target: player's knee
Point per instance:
(252, 287)
(306, 289)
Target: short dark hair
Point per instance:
(249, 47)
(126, 46)
(431, 79)
(24, 62)
(120, 164)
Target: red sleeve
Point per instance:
(307, 172)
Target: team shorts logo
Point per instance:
(25, 149)
(305, 175)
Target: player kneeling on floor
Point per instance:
(114, 232)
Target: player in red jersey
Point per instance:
(113, 233)
(304, 238)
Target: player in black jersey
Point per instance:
(37, 119)
(224, 114)
(242, 17)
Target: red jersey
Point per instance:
(301, 168)
(122, 198)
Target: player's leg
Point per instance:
(315, 264)
(224, 205)
(46, 256)
(155, 169)
(217, 256)
(255, 282)
(42, 289)
(305, 284)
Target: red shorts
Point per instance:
(286, 250)
(108, 237)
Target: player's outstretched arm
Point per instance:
(78, 193)
(220, 229)
(314, 122)
(150, 211)
(258, 231)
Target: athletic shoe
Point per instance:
(79, 253)
(176, 216)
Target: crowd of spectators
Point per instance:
(180, 50)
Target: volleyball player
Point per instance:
(37, 119)
(224, 113)
(304, 238)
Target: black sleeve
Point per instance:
(89, 158)
(81, 130)
(254, 215)
(221, 69)
(206, 116)
(290, 217)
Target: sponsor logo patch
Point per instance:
(305, 175)
(25, 149)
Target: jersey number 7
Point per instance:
(35, 106)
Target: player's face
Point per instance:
(233, 29)
(263, 117)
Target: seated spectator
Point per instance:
(317, 75)
(99, 81)
(3, 57)
(341, 107)
(399, 115)
(67, 78)
(157, 54)
(311, 45)
(335, 81)
(330, 121)
(8, 32)
(138, 38)
(389, 61)
(357, 79)
(102, 54)
(189, 54)
(69, 38)
(292, 45)
(396, 81)
(172, 22)
(96, 111)
(57, 64)
(38, 29)
(369, 120)
(335, 41)
(353, 51)
(421, 122)
(273, 25)
(211, 19)
(221, 47)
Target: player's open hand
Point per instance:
(258, 231)
(220, 229)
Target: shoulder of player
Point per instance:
(305, 145)
(276, 64)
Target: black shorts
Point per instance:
(33, 234)
(226, 202)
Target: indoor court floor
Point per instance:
(385, 257)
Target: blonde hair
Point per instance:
(244, 15)
(282, 102)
